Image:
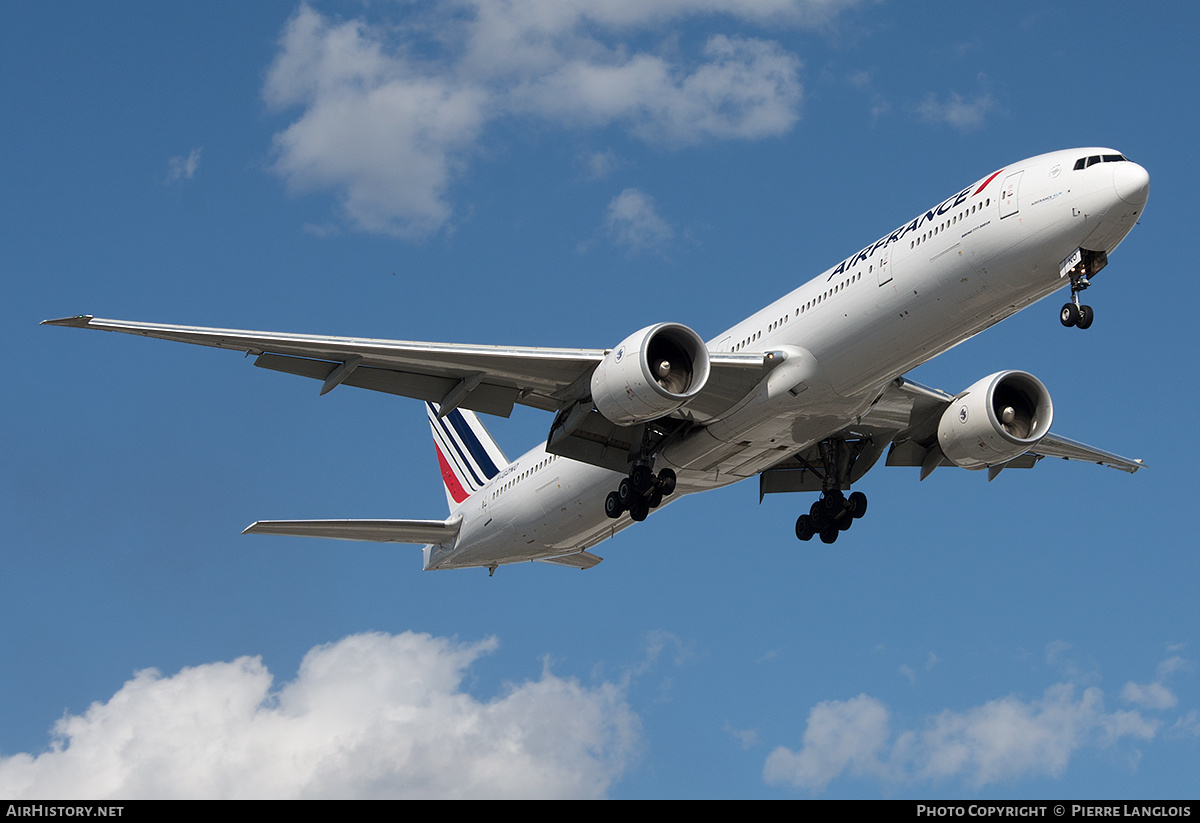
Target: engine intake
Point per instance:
(650, 374)
(998, 418)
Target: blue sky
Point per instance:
(469, 172)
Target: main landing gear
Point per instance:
(640, 492)
(831, 514)
(841, 463)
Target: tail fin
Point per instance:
(467, 455)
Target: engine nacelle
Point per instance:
(650, 374)
(1001, 417)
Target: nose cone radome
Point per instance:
(1132, 183)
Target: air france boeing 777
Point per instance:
(806, 394)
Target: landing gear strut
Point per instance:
(640, 492)
(1086, 263)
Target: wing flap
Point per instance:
(374, 531)
(485, 397)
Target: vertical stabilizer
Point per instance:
(467, 455)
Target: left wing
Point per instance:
(489, 379)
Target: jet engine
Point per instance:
(650, 374)
(1001, 417)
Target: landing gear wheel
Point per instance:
(834, 502)
(641, 477)
(655, 499)
(857, 505)
(1069, 315)
(666, 482)
(829, 534)
(844, 522)
(818, 515)
(804, 528)
(625, 493)
(612, 505)
(1086, 316)
(638, 511)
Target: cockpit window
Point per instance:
(1084, 162)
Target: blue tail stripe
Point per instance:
(452, 441)
(482, 458)
(462, 467)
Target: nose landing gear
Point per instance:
(1074, 314)
(1083, 263)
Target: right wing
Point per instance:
(1054, 446)
(903, 421)
(926, 407)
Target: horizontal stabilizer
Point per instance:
(374, 531)
(578, 560)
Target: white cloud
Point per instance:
(745, 89)
(183, 168)
(391, 115)
(998, 741)
(1188, 725)
(842, 735)
(957, 111)
(600, 164)
(1171, 665)
(386, 135)
(1155, 695)
(372, 715)
(1150, 696)
(632, 221)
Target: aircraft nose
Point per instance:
(1132, 183)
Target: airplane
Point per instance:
(806, 395)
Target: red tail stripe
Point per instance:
(457, 492)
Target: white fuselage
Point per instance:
(982, 254)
